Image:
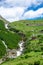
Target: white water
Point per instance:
(19, 52)
(1, 61)
(4, 44)
(6, 26)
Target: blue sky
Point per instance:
(13, 10)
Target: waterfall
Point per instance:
(19, 52)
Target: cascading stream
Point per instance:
(19, 52)
(6, 26)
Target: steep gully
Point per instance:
(12, 53)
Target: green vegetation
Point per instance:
(11, 39)
(26, 26)
(2, 26)
(2, 49)
(33, 46)
(32, 58)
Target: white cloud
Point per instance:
(33, 14)
(24, 3)
(19, 6)
(15, 13)
(12, 13)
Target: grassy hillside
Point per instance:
(2, 49)
(11, 39)
(28, 26)
(2, 26)
(32, 58)
(33, 46)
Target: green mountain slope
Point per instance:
(2, 49)
(31, 32)
(26, 26)
(2, 25)
(11, 39)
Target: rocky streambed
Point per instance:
(14, 53)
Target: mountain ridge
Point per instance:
(2, 18)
